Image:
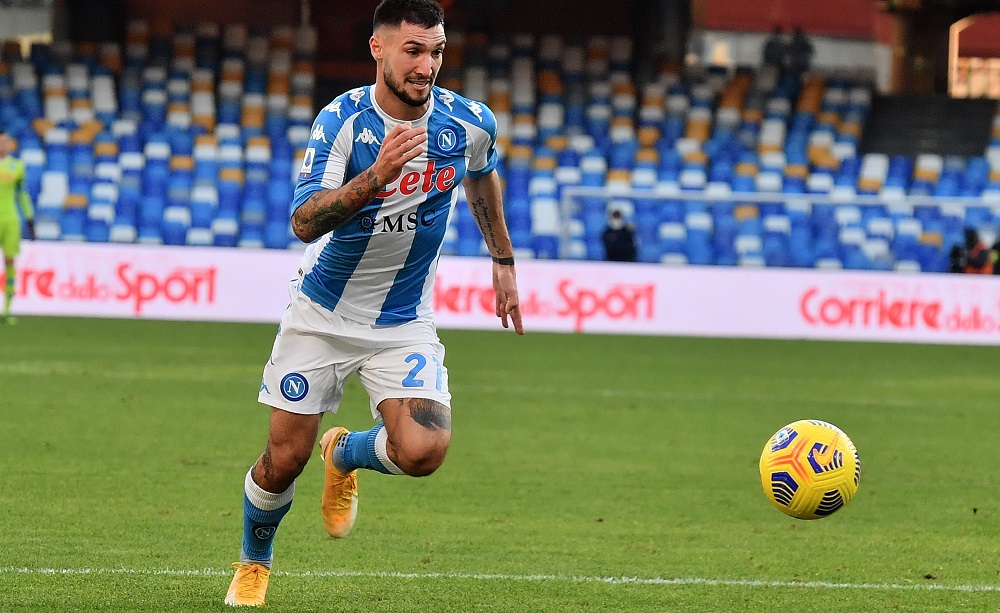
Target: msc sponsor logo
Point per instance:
(396, 223)
(294, 387)
(367, 222)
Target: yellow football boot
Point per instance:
(339, 505)
(249, 585)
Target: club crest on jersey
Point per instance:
(367, 137)
(447, 140)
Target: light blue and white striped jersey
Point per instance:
(379, 267)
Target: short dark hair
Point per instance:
(425, 13)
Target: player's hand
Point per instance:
(508, 307)
(402, 144)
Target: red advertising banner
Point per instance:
(218, 284)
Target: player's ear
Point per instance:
(375, 44)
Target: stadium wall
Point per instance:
(214, 284)
(251, 12)
(845, 18)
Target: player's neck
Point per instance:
(396, 108)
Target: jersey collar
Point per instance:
(392, 121)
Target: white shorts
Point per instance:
(316, 351)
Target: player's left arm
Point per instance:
(486, 202)
(25, 201)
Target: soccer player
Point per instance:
(376, 187)
(12, 195)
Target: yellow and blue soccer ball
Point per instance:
(810, 469)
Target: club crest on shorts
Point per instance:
(294, 387)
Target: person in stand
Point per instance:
(798, 54)
(375, 190)
(957, 259)
(978, 259)
(995, 256)
(773, 53)
(619, 239)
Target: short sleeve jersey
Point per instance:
(11, 189)
(379, 267)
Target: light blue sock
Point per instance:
(365, 449)
(262, 512)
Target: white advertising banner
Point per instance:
(223, 284)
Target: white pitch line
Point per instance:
(210, 572)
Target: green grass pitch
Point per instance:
(587, 473)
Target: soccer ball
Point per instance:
(810, 469)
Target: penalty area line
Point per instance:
(347, 574)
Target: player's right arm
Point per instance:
(325, 210)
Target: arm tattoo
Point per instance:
(328, 209)
(430, 414)
(482, 214)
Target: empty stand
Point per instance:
(192, 135)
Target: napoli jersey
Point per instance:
(379, 267)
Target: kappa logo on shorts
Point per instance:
(294, 387)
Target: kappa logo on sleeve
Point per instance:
(357, 94)
(477, 109)
(447, 99)
(334, 107)
(367, 137)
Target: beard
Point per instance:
(396, 87)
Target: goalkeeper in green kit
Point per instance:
(12, 195)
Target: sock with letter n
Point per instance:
(365, 449)
(262, 512)
(8, 289)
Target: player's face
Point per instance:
(411, 58)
